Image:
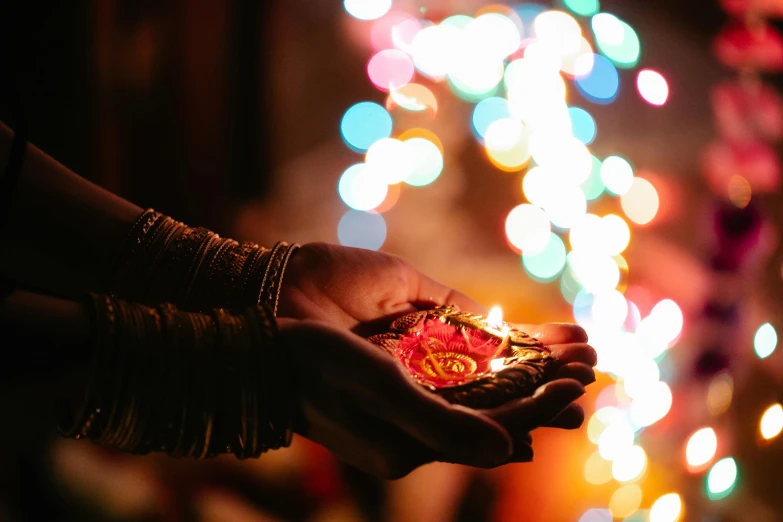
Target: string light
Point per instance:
(365, 123)
(652, 86)
(667, 508)
(640, 203)
(701, 448)
(765, 341)
(722, 478)
(629, 464)
(362, 230)
(771, 422)
(625, 501)
(523, 119)
(367, 9)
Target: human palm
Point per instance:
(362, 290)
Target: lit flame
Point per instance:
(497, 364)
(495, 318)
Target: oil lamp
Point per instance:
(468, 359)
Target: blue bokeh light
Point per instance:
(487, 111)
(362, 230)
(365, 123)
(583, 125)
(602, 84)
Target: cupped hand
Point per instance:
(362, 291)
(356, 401)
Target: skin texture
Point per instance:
(356, 400)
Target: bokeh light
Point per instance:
(492, 35)
(667, 317)
(640, 375)
(362, 230)
(391, 160)
(596, 515)
(586, 233)
(506, 141)
(630, 464)
(583, 7)
(567, 208)
(722, 478)
(360, 188)
(616, 40)
(667, 508)
(597, 470)
(564, 156)
(601, 84)
(435, 49)
(390, 68)
(719, 393)
(625, 501)
(488, 111)
(599, 420)
(593, 186)
(583, 125)
(367, 9)
(558, 31)
(539, 186)
(652, 87)
(365, 123)
(579, 63)
(607, 28)
(641, 202)
(616, 439)
(595, 272)
(412, 97)
(701, 448)
(771, 422)
(615, 235)
(427, 161)
(475, 76)
(652, 406)
(609, 309)
(617, 175)
(765, 341)
(546, 264)
(739, 191)
(527, 228)
(393, 24)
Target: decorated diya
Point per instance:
(468, 359)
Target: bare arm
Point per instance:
(62, 229)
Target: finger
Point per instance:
(555, 333)
(573, 353)
(577, 371)
(366, 443)
(522, 453)
(523, 448)
(377, 383)
(471, 437)
(572, 418)
(425, 290)
(546, 404)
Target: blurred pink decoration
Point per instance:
(746, 111)
(769, 8)
(741, 47)
(755, 161)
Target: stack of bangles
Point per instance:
(185, 358)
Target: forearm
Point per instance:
(62, 230)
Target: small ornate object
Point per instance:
(468, 359)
